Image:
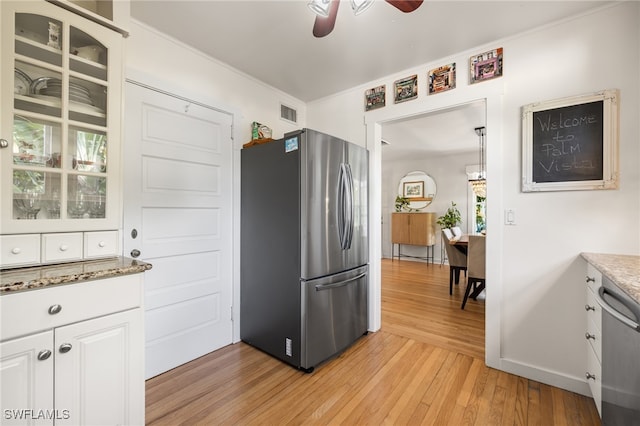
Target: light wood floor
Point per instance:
(425, 366)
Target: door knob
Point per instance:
(135, 253)
(4, 143)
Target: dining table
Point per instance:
(460, 243)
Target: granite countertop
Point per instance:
(30, 278)
(622, 269)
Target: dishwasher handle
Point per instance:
(611, 310)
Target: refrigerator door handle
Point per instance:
(349, 206)
(345, 207)
(341, 187)
(321, 287)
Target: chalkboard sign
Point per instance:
(571, 143)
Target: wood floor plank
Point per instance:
(425, 366)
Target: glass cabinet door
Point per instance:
(62, 135)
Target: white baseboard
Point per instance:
(548, 377)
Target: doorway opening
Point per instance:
(444, 145)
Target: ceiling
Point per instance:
(448, 131)
(272, 41)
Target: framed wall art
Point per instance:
(375, 98)
(406, 89)
(413, 189)
(442, 79)
(485, 66)
(571, 143)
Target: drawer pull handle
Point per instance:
(588, 336)
(65, 347)
(102, 244)
(44, 354)
(590, 376)
(64, 247)
(55, 309)
(591, 279)
(589, 308)
(16, 250)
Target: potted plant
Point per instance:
(402, 203)
(451, 218)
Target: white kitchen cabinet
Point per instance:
(19, 250)
(593, 335)
(26, 369)
(93, 373)
(60, 121)
(33, 249)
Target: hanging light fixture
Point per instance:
(479, 185)
(320, 7)
(360, 6)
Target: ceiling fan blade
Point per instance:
(405, 5)
(323, 26)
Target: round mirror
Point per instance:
(418, 188)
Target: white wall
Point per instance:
(449, 173)
(535, 286)
(157, 58)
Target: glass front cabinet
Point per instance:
(60, 121)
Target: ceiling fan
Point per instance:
(327, 10)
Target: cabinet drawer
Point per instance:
(61, 247)
(595, 384)
(19, 250)
(594, 310)
(28, 312)
(596, 342)
(100, 244)
(594, 278)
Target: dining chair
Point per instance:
(448, 233)
(457, 261)
(476, 260)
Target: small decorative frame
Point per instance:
(442, 79)
(571, 143)
(485, 66)
(375, 98)
(413, 189)
(406, 89)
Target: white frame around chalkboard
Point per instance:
(609, 143)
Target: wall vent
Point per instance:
(288, 113)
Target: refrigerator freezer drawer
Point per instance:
(334, 314)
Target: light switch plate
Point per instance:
(509, 217)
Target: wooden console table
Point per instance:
(415, 229)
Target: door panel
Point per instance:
(178, 198)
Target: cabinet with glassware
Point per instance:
(60, 123)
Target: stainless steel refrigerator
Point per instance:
(304, 247)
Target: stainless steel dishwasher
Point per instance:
(620, 356)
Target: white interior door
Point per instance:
(177, 198)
